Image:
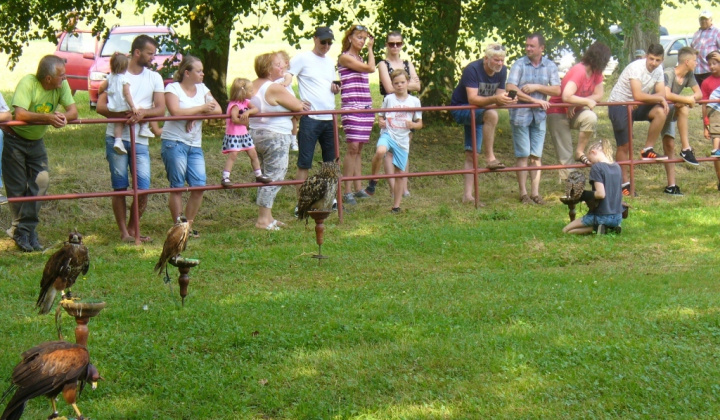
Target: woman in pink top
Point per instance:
(582, 86)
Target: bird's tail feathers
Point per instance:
(46, 299)
(12, 411)
(7, 392)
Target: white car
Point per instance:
(672, 44)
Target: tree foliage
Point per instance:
(439, 34)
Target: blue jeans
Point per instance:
(119, 165)
(183, 163)
(462, 116)
(609, 220)
(313, 131)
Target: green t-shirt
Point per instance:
(30, 95)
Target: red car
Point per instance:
(120, 39)
(78, 49)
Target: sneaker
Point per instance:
(715, 153)
(226, 182)
(3, 200)
(35, 242)
(362, 194)
(263, 178)
(406, 194)
(334, 206)
(296, 212)
(294, 144)
(119, 147)
(349, 199)
(672, 190)
(395, 210)
(650, 154)
(23, 242)
(689, 157)
(145, 131)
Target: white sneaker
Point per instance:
(294, 144)
(119, 147)
(145, 131)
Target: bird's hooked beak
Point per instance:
(93, 384)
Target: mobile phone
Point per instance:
(338, 83)
(512, 94)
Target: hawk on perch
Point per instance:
(319, 190)
(61, 271)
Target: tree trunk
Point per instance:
(441, 26)
(207, 24)
(642, 34)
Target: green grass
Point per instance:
(443, 311)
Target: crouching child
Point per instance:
(605, 199)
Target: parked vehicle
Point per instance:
(78, 49)
(120, 39)
(672, 44)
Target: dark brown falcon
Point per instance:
(319, 190)
(175, 243)
(575, 185)
(50, 369)
(61, 271)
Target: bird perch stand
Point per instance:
(319, 217)
(571, 203)
(184, 265)
(82, 312)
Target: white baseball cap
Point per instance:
(706, 14)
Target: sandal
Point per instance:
(537, 200)
(525, 199)
(194, 234)
(279, 224)
(272, 226)
(583, 159)
(495, 164)
(226, 182)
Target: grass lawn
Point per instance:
(441, 312)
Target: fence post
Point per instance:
(135, 210)
(476, 185)
(630, 147)
(338, 193)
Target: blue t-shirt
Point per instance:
(474, 76)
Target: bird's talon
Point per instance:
(53, 415)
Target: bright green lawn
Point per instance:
(442, 312)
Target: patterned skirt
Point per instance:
(233, 143)
(357, 126)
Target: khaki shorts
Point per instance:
(714, 117)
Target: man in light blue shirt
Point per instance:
(533, 77)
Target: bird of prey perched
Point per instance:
(175, 243)
(61, 271)
(575, 185)
(319, 190)
(49, 369)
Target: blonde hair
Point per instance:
(494, 49)
(118, 63)
(348, 34)
(399, 72)
(284, 55)
(604, 146)
(239, 91)
(263, 64)
(185, 65)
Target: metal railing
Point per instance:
(135, 193)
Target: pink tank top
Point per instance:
(232, 128)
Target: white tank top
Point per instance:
(281, 125)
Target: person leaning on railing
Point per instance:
(24, 159)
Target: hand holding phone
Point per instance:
(512, 94)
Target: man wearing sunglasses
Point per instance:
(315, 72)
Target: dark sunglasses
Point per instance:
(395, 44)
(326, 42)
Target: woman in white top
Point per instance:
(182, 140)
(272, 135)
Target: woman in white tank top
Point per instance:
(272, 135)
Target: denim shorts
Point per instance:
(529, 141)
(400, 156)
(313, 131)
(609, 220)
(183, 163)
(119, 165)
(462, 116)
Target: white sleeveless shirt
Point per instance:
(281, 125)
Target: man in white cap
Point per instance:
(705, 41)
(315, 72)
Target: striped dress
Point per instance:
(355, 94)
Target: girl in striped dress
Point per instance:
(355, 94)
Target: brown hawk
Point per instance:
(49, 369)
(319, 190)
(575, 185)
(175, 243)
(61, 271)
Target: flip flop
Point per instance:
(495, 164)
(279, 224)
(272, 226)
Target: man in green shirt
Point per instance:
(24, 158)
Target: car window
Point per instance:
(123, 42)
(678, 44)
(78, 43)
